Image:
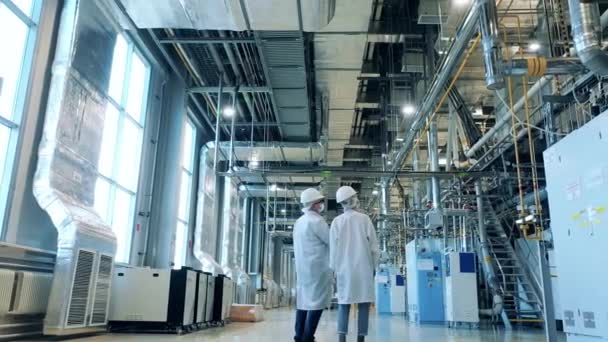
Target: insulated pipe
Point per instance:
(384, 202)
(540, 66)
(485, 249)
(587, 35)
(542, 82)
(434, 158)
(460, 43)
(507, 117)
(490, 41)
(416, 184)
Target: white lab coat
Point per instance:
(311, 248)
(353, 256)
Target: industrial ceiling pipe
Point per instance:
(587, 35)
(463, 35)
(490, 41)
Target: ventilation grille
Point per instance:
(31, 294)
(77, 309)
(7, 280)
(102, 291)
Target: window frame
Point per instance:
(21, 102)
(124, 116)
(188, 222)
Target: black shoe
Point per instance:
(341, 338)
(360, 338)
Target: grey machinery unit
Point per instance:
(204, 281)
(146, 299)
(210, 298)
(223, 297)
(577, 187)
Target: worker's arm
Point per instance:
(321, 230)
(373, 243)
(333, 241)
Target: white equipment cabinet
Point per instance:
(132, 291)
(397, 291)
(577, 185)
(461, 289)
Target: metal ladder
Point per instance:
(521, 298)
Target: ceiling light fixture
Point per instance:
(229, 112)
(273, 187)
(375, 192)
(534, 46)
(408, 109)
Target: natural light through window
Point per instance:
(185, 198)
(122, 144)
(17, 38)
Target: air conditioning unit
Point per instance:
(159, 299)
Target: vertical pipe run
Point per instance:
(490, 41)
(434, 158)
(218, 115)
(231, 160)
(416, 183)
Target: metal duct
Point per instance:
(434, 159)
(248, 190)
(64, 183)
(207, 221)
(461, 40)
(492, 53)
(228, 14)
(269, 151)
(587, 35)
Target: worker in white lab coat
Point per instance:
(353, 257)
(313, 276)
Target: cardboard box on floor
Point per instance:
(246, 313)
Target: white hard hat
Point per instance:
(310, 195)
(344, 193)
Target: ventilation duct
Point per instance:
(587, 35)
(229, 15)
(305, 153)
(66, 175)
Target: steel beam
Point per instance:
(209, 40)
(212, 89)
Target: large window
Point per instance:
(18, 24)
(185, 192)
(122, 143)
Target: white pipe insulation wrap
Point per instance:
(587, 35)
(496, 309)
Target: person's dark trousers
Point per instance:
(306, 324)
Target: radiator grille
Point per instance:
(102, 291)
(79, 296)
(31, 294)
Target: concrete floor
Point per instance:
(278, 327)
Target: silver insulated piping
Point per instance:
(587, 34)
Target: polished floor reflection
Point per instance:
(278, 327)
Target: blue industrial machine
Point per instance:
(383, 290)
(425, 282)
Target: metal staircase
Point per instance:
(521, 297)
